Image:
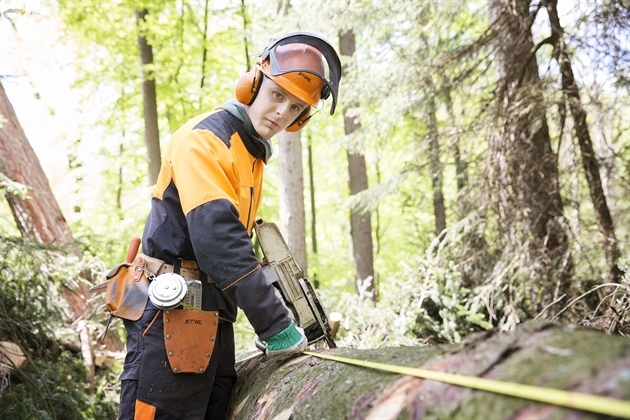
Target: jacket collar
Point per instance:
(254, 141)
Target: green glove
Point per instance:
(287, 342)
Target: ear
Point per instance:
(248, 86)
(300, 121)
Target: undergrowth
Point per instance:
(54, 383)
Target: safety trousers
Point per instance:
(151, 391)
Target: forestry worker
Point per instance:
(180, 362)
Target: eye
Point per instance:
(296, 108)
(278, 95)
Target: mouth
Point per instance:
(272, 123)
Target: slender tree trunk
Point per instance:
(149, 101)
(291, 195)
(531, 163)
(460, 163)
(245, 29)
(360, 221)
(580, 127)
(311, 183)
(435, 164)
(544, 355)
(205, 49)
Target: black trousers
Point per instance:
(150, 387)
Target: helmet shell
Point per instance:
(298, 68)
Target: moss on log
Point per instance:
(540, 354)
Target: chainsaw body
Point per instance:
(282, 271)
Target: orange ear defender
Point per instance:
(248, 86)
(300, 121)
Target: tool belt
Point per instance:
(187, 269)
(189, 335)
(130, 285)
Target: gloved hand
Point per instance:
(287, 342)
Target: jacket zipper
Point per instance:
(251, 200)
(251, 197)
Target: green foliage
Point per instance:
(54, 384)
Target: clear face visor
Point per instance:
(331, 65)
(276, 68)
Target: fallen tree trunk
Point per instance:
(540, 354)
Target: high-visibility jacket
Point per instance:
(204, 207)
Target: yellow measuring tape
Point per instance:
(586, 402)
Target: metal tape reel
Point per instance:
(167, 290)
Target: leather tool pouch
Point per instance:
(127, 291)
(190, 336)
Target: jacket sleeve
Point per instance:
(224, 252)
(259, 302)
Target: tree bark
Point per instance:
(360, 221)
(149, 101)
(291, 195)
(545, 355)
(580, 127)
(531, 163)
(38, 217)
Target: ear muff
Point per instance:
(248, 86)
(325, 92)
(300, 121)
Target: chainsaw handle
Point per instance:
(133, 250)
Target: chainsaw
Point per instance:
(282, 271)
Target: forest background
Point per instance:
(475, 175)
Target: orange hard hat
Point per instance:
(299, 68)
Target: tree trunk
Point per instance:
(204, 53)
(580, 127)
(291, 195)
(243, 13)
(38, 217)
(531, 163)
(545, 355)
(291, 185)
(149, 101)
(461, 166)
(435, 164)
(360, 221)
(311, 183)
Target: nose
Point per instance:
(282, 109)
